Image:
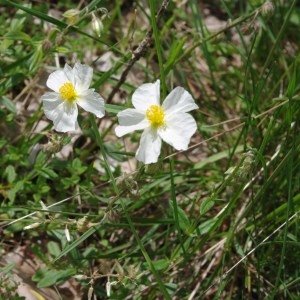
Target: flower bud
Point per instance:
(108, 286)
(31, 226)
(127, 183)
(82, 224)
(267, 9)
(97, 25)
(250, 27)
(71, 15)
(113, 216)
(46, 46)
(67, 233)
(59, 40)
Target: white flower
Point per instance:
(71, 88)
(168, 122)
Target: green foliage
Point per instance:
(199, 224)
(46, 277)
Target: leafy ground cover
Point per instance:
(82, 218)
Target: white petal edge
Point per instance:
(93, 103)
(83, 76)
(130, 120)
(179, 100)
(122, 130)
(63, 115)
(68, 118)
(59, 77)
(50, 97)
(56, 80)
(179, 130)
(50, 103)
(150, 146)
(69, 72)
(130, 116)
(145, 95)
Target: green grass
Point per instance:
(218, 221)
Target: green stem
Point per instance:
(175, 206)
(103, 152)
(158, 48)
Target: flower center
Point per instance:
(67, 92)
(156, 115)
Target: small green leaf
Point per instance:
(206, 205)
(62, 49)
(7, 269)
(53, 248)
(17, 36)
(171, 287)
(160, 264)
(184, 222)
(39, 274)
(76, 163)
(66, 140)
(8, 104)
(48, 173)
(10, 173)
(206, 226)
(51, 277)
(175, 51)
(13, 192)
(35, 59)
(44, 189)
(77, 167)
(40, 159)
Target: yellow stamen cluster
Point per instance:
(156, 115)
(67, 92)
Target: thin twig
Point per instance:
(138, 52)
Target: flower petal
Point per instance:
(130, 116)
(179, 130)
(179, 100)
(145, 95)
(149, 149)
(83, 77)
(50, 98)
(130, 120)
(56, 80)
(50, 103)
(69, 73)
(67, 118)
(63, 114)
(92, 102)
(59, 77)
